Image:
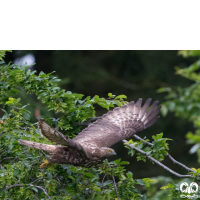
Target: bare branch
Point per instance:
(41, 189)
(15, 185)
(156, 161)
(170, 157)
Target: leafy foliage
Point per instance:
(185, 102)
(20, 175)
(158, 150)
(3, 53)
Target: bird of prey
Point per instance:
(92, 145)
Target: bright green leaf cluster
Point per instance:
(158, 150)
(3, 53)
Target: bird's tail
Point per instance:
(40, 146)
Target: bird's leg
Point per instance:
(45, 164)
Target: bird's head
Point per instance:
(106, 152)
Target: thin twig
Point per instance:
(3, 151)
(12, 161)
(156, 161)
(39, 179)
(103, 178)
(170, 157)
(113, 180)
(41, 189)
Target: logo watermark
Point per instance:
(186, 188)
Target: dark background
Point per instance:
(136, 74)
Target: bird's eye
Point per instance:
(108, 151)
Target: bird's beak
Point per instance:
(114, 153)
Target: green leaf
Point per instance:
(164, 110)
(140, 181)
(104, 105)
(16, 171)
(159, 136)
(79, 96)
(118, 103)
(107, 182)
(49, 175)
(96, 98)
(69, 95)
(129, 174)
(4, 116)
(117, 161)
(194, 148)
(124, 163)
(165, 89)
(99, 197)
(140, 146)
(26, 116)
(37, 131)
(15, 90)
(88, 105)
(110, 95)
(121, 97)
(88, 174)
(34, 188)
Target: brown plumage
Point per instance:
(91, 146)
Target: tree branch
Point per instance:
(156, 161)
(170, 157)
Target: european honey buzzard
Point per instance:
(91, 146)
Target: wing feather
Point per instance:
(51, 134)
(119, 124)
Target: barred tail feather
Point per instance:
(39, 146)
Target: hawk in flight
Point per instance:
(93, 144)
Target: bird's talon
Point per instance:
(45, 164)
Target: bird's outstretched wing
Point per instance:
(52, 134)
(55, 136)
(119, 124)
